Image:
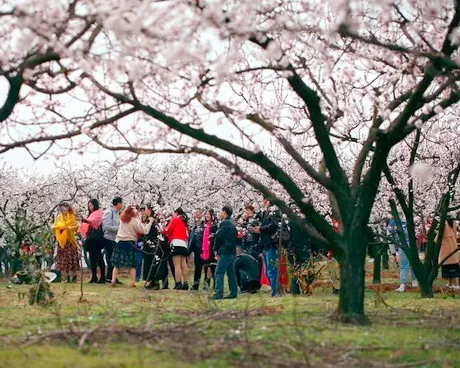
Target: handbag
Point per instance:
(94, 236)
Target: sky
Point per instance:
(19, 158)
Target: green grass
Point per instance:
(132, 328)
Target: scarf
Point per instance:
(94, 220)
(64, 229)
(205, 246)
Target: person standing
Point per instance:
(152, 253)
(177, 234)
(450, 268)
(208, 255)
(110, 225)
(94, 240)
(267, 229)
(67, 253)
(251, 239)
(124, 254)
(195, 240)
(203, 249)
(399, 233)
(225, 246)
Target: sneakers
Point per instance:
(216, 297)
(185, 286)
(101, 281)
(401, 289)
(92, 281)
(178, 286)
(414, 283)
(195, 287)
(230, 297)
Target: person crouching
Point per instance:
(247, 272)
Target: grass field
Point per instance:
(126, 327)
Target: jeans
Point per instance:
(226, 264)
(271, 269)
(109, 246)
(139, 259)
(404, 267)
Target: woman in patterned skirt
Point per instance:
(124, 255)
(68, 251)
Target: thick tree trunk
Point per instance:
(425, 279)
(352, 274)
(426, 288)
(424, 274)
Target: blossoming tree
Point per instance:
(422, 187)
(335, 86)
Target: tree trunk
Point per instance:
(426, 288)
(376, 279)
(15, 265)
(352, 279)
(385, 259)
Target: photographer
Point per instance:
(251, 238)
(150, 243)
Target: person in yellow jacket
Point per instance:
(67, 254)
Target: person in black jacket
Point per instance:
(225, 246)
(247, 272)
(250, 242)
(195, 239)
(153, 254)
(202, 244)
(269, 224)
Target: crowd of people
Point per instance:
(251, 248)
(154, 246)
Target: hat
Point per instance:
(142, 207)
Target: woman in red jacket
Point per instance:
(177, 234)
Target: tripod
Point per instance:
(157, 260)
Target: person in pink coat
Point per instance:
(91, 232)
